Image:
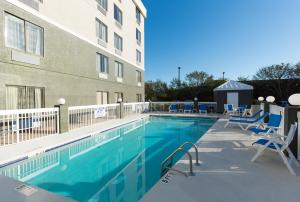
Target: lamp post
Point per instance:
(196, 104)
(61, 122)
(179, 82)
(270, 99)
(261, 99)
(120, 101)
(295, 99)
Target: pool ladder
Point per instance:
(166, 167)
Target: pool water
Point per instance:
(121, 164)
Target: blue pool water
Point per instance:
(118, 165)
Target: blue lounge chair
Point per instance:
(173, 108)
(247, 117)
(188, 108)
(248, 123)
(279, 144)
(241, 109)
(228, 109)
(271, 127)
(202, 108)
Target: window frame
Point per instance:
(98, 31)
(99, 63)
(119, 68)
(138, 36)
(138, 56)
(138, 76)
(138, 15)
(106, 4)
(118, 13)
(118, 38)
(25, 42)
(101, 95)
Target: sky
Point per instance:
(233, 36)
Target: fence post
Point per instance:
(91, 116)
(298, 146)
(57, 120)
(18, 127)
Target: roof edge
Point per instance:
(141, 6)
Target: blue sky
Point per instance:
(234, 36)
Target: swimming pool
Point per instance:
(121, 164)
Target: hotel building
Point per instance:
(86, 51)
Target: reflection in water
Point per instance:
(118, 165)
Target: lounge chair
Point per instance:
(271, 127)
(248, 123)
(228, 109)
(188, 108)
(279, 144)
(173, 108)
(202, 108)
(247, 117)
(241, 109)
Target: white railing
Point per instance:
(164, 106)
(135, 108)
(82, 116)
(26, 124)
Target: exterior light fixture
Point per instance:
(61, 101)
(120, 100)
(270, 99)
(261, 99)
(295, 99)
(195, 99)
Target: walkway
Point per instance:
(226, 173)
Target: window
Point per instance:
(102, 97)
(103, 4)
(138, 16)
(118, 42)
(101, 30)
(102, 63)
(20, 34)
(119, 69)
(138, 56)
(138, 76)
(24, 97)
(118, 15)
(138, 36)
(139, 97)
(118, 95)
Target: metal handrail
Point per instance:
(180, 149)
(196, 150)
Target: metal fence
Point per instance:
(135, 108)
(26, 124)
(81, 116)
(164, 106)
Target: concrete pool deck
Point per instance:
(227, 174)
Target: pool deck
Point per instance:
(227, 174)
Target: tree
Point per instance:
(278, 73)
(156, 90)
(175, 83)
(275, 72)
(243, 78)
(197, 78)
